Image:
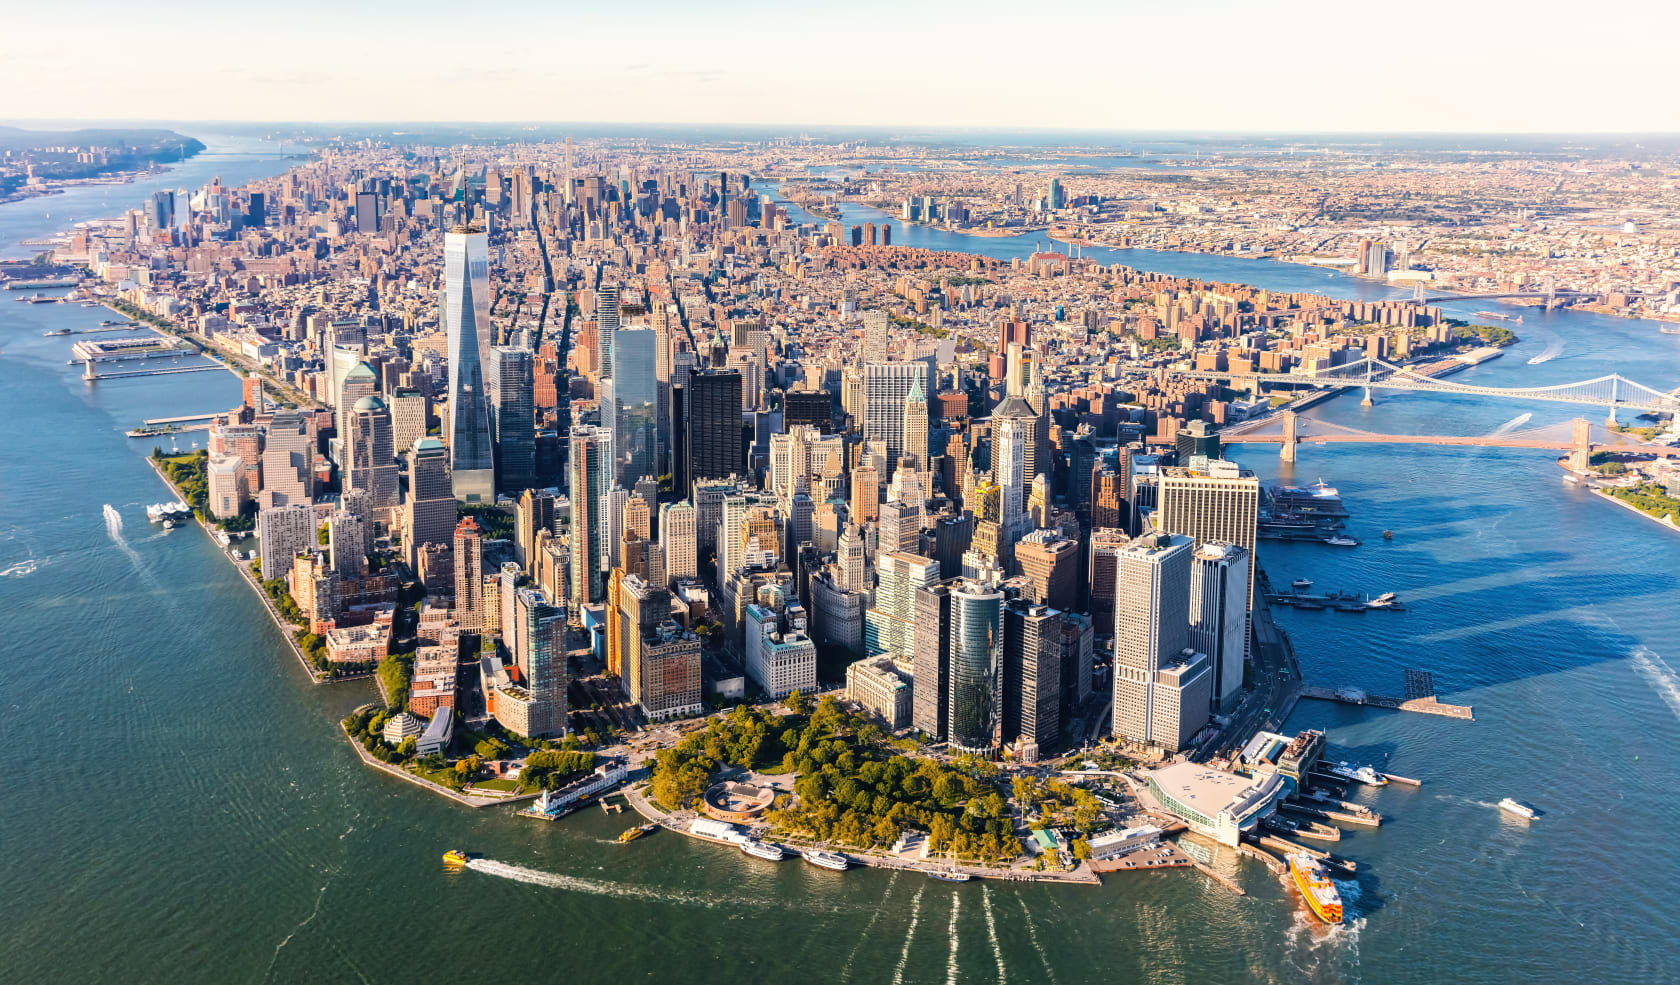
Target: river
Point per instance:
(181, 809)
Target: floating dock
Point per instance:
(1355, 696)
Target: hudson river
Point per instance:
(180, 807)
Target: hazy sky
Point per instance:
(1323, 65)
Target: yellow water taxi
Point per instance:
(455, 858)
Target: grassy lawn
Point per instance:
(497, 784)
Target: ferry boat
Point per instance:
(1359, 774)
(766, 850)
(1518, 808)
(636, 832)
(1316, 888)
(455, 858)
(827, 860)
(1301, 583)
(1496, 316)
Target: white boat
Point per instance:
(827, 860)
(1359, 774)
(1383, 601)
(1301, 583)
(1339, 541)
(1572, 478)
(768, 851)
(1517, 808)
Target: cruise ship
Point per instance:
(827, 860)
(1316, 887)
(1358, 774)
(768, 851)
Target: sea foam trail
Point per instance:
(909, 935)
(1662, 677)
(951, 962)
(1032, 933)
(1553, 349)
(554, 880)
(991, 932)
(846, 969)
(1512, 424)
(18, 570)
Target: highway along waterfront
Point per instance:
(164, 739)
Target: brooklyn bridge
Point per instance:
(1290, 430)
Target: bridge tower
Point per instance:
(1367, 402)
(1581, 458)
(1287, 452)
(1615, 379)
(1417, 293)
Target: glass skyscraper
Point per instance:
(466, 303)
(511, 379)
(587, 490)
(635, 404)
(976, 652)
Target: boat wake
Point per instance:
(18, 570)
(114, 528)
(1511, 425)
(1032, 934)
(554, 880)
(1663, 678)
(991, 932)
(909, 935)
(1465, 801)
(1553, 349)
(951, 962)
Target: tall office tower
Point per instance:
(512, 377)
(539, 651)
(679, 536)
(606, 326)
(282, 531)
(1220, 504)
(1108, 504)
(1038, 503)
(876, 341)
(1196, 440)
(533, 513)
(713, 446)
(466, 286)
(638, 523)
(888, 625)
(347, 539)
(1012, 439)
(587, 479)
(429, 516)
(886, 393)
(900, 527)
(848, 302)
(976, 652)
(866, 494)
(1104, 585)
(1050, 563)
(915, 440)
(1152, 666)
(1053, 195)
(612, 525)
(811, 408)
(952, 538)
(162, 214)
(1218, 625)
(469, 577)
(1078, 648)
(851, 570)
(288, 456)
(930, 648)
(358, 380)
(372, 466)
(367, 213)
(408, 418)
(635, 404)
(660, 665)
(1032, 676)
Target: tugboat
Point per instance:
(768, 851)
(1388, 535)
(827, 860)
(1316, 888)
(455, 858)
(1517, 808)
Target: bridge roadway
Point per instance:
(1486, 441)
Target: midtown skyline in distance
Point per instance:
(1212, 66)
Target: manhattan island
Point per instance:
(664, 444)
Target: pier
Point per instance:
(89, 375)
(1353, 696)
(156, 421)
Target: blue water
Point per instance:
(179, 809)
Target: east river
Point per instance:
(178, 806)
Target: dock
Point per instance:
(1355, 696)
(92, 376)
(1287, 847)
(1365, 817)
(155, 421)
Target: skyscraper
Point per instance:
(1013, 436)
(533, 513)
(469, 577)
(678, 535)
(288, 456)
(466, 286)
(511, 378)
(587, 492)
(1050, 563)
(429, 516)
(931, 654)
(915, 441)
(633, 412)
(713, 447)
(976, 652)
(886, 392)
(1156, 675)
(1032, 674)
(372, 466)
(1220, 503)
(606, 326)
(889, 622)
(282, 531)
(539, 651)
(1218, 615)
(875, 337)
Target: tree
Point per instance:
(798, 703)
